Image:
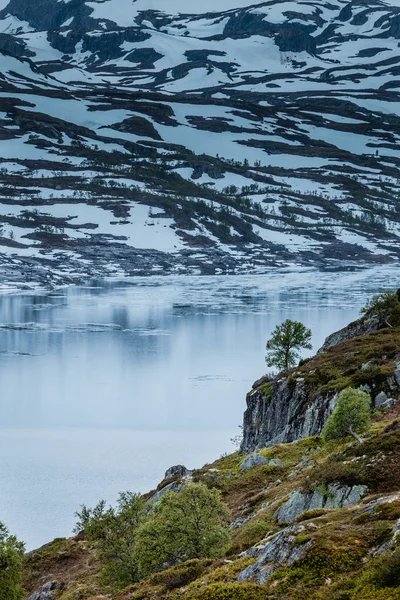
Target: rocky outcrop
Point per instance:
(257, 460)
(273, 552)
(170, 487)
(254, 460)
(283, 411)
(335, 496)
(355, 329)
(48, 592)
(177, 471)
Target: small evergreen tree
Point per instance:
(287, 339)
(113, 530)
(192, 523)
(352, 416)
(11, 563)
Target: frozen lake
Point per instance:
(104, 387)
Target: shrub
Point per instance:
(385, 306)
(229, 591)
(113, 530)
(11, 561)
(387, 571)
(192, 523)
(351, 416)
(180, 575)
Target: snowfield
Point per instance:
(160, 136)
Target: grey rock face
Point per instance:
(286, 416)
(382, 401)
(336, 497)
(171, 487)
(397, 373)
(275, 462)
(360, 327)
(48, 591)
(254, 460)
(273, 552)
(177, 471)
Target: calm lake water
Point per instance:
(104, 387)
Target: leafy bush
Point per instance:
(11, 561)
(385, 305)
(136, 539)
(351, 416)
(192, 523)
(113, 530)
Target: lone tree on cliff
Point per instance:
(351, 416)
(286, 341)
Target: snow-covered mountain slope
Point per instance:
(138, 138)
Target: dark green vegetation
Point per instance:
(11, 559)
(385, 306)
(287, 339)
(351, 416)
(136, 539)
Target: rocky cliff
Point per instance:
(365, 354)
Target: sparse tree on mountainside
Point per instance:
(286, 341)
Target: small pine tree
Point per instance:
(287, 339)
(11, 563)
(352, 416)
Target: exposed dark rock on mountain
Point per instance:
(268, 132)
(284, 412)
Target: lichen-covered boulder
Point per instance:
(254, 460)
(274, 551)
(382, 401)
(48, 592)
(335, 496)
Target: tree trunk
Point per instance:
(355, 436)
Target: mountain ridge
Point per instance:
(262, 135)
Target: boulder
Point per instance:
(275, 462)
(273, 552)
(382, 401)
(335, 496)
(177, 471)
(48, 592)
(254, 460)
